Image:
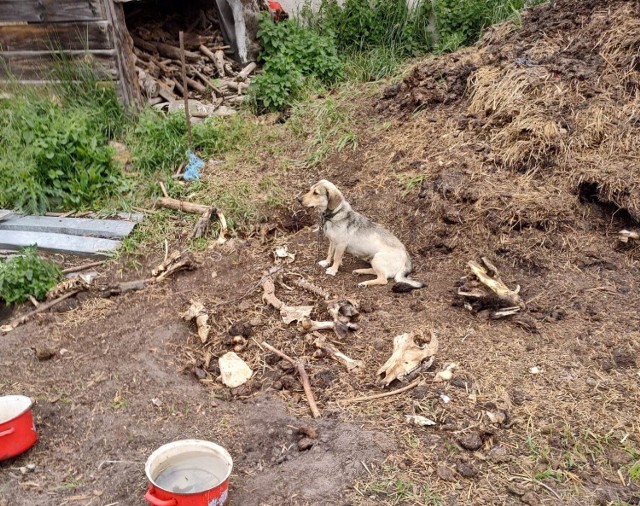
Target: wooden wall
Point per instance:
(89, 29)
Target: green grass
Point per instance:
(409, 183)
(398, 491)
(325, 125)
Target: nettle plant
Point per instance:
(292, 54)
(27, 274)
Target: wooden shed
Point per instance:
(94, 29)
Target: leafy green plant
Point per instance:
(292, 55)
(360, 25)
(54, 157)
(54, 142)
(460, 22)
(27, 274)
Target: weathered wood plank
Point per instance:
(48, 36)
(27, 66)
(106, 229)
(4, 214)
(58, 243)
(128, 86)
(51, 10)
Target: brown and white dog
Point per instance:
(352, 232)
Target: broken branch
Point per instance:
(84, 267)
(182, 205)
(380, 396)
(42, 307)
(303, 376)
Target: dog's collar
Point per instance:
(329, 214)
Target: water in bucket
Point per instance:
(190, 473)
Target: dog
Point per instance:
(348, 230)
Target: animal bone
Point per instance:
(310, 287)
(269, 295)
(309, 325)
(406, 357)
(291, 314)
(487, 294)
(337, 355)
(625, 235)
(196, 310)
(342, 310)
(446, 374)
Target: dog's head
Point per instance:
(323, 195)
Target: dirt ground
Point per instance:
(516, 181)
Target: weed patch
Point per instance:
(27, 274)
(293, 57)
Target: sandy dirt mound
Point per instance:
(559, 95)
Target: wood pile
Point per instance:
(213, 78)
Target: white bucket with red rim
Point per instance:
(190, 472)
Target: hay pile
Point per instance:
(550, 109)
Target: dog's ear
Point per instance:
(334, 197)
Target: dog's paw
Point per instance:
(331, 271)
(362, 285)
(324, 263)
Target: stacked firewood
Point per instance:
(213, 79)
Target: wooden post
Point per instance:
(185, 86)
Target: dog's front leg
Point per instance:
(337, 259)
(327, 262)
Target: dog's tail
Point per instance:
(404, 284)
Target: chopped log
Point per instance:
(149, 47)
(149, 86)
(217, 58)
(245, 72)
(165, 93)
(196, 85)
(182, 205)
(170, 83)
(174, 52)
(202, 225)
(180, 90)
(205, 80)
(238, 87)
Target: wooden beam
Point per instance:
(48, 36)
(58, 243)
(43, 11)
(37, 65)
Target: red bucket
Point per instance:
(188, 473)
(17, 431)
